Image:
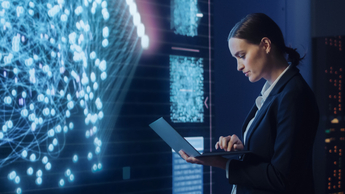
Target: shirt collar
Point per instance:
(266, 90)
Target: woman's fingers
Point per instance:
(229, 143)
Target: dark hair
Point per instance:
(258, 25)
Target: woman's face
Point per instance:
(251, 59)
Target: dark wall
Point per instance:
(234, 94)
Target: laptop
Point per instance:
(177, 142)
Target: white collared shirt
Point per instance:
(265, 92)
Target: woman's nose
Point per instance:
(240, 66)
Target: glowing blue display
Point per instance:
(186, 89)
(188, 178)
(185, 17)
(53, 62)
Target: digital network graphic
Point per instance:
(59, 58)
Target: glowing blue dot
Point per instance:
(12, 175)
(68, 113)
(85, 111)
(65, 79)
(58, 129)
(18, 190)
(51, 133)
(5, 4)
(93, 10)
(17, 180)
(145, 41)
(32, 157)
(40, 121)
(29, 62)
(24, 153)
(61, 183)
(103, 75)
(52, 112)
(51, 147)
(93, 55)
(70, 105)
(99, 166)
(97, 62)
(55, 141)
(104, 4)
(105, 15)
(63, 17)
(87, 134)
(93, 77)
(98, 150)
(9, 124)
(32, 106)
(105, 32)
(69, 97)
(94, 168)
(38, 181)
(95, 86)
(65, 129)
(31, 4)
(15, 71)
(100, 115)
(45, 160)
(4, 128)
(68, 173)
(82, 103)
(71, 178)
(141, 30)
(40, 97)
(91, 95)
(30, 171)
(75, 158)
(46, 100)
(14, 92)
(1, 135)
(103, 65)
(62, 93)
(24, 113)
(71, 125)
(8, 100)
(46, 111)
(105, 43)
(39, 173)
(89, 156)
(136, 19)
(48, 166)
(24, 94)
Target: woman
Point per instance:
(281, 127)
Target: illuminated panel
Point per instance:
(186, 89)
(185, 17)
(188, 178)
(333, 91)
(55, 61)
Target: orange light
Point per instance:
(329, 178)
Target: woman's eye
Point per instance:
(241, 56)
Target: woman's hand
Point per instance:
(215, 161)
(229, 143)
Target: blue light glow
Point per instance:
(51, 55)
(185, 17)
(186, 89)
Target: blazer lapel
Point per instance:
(291, 72)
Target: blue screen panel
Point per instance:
(185, 17)
(188, 178)
(186, 89)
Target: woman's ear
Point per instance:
(266, 44)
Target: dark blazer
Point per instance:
(281, 139)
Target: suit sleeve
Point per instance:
(293, 142)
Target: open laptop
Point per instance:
(177, 142)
